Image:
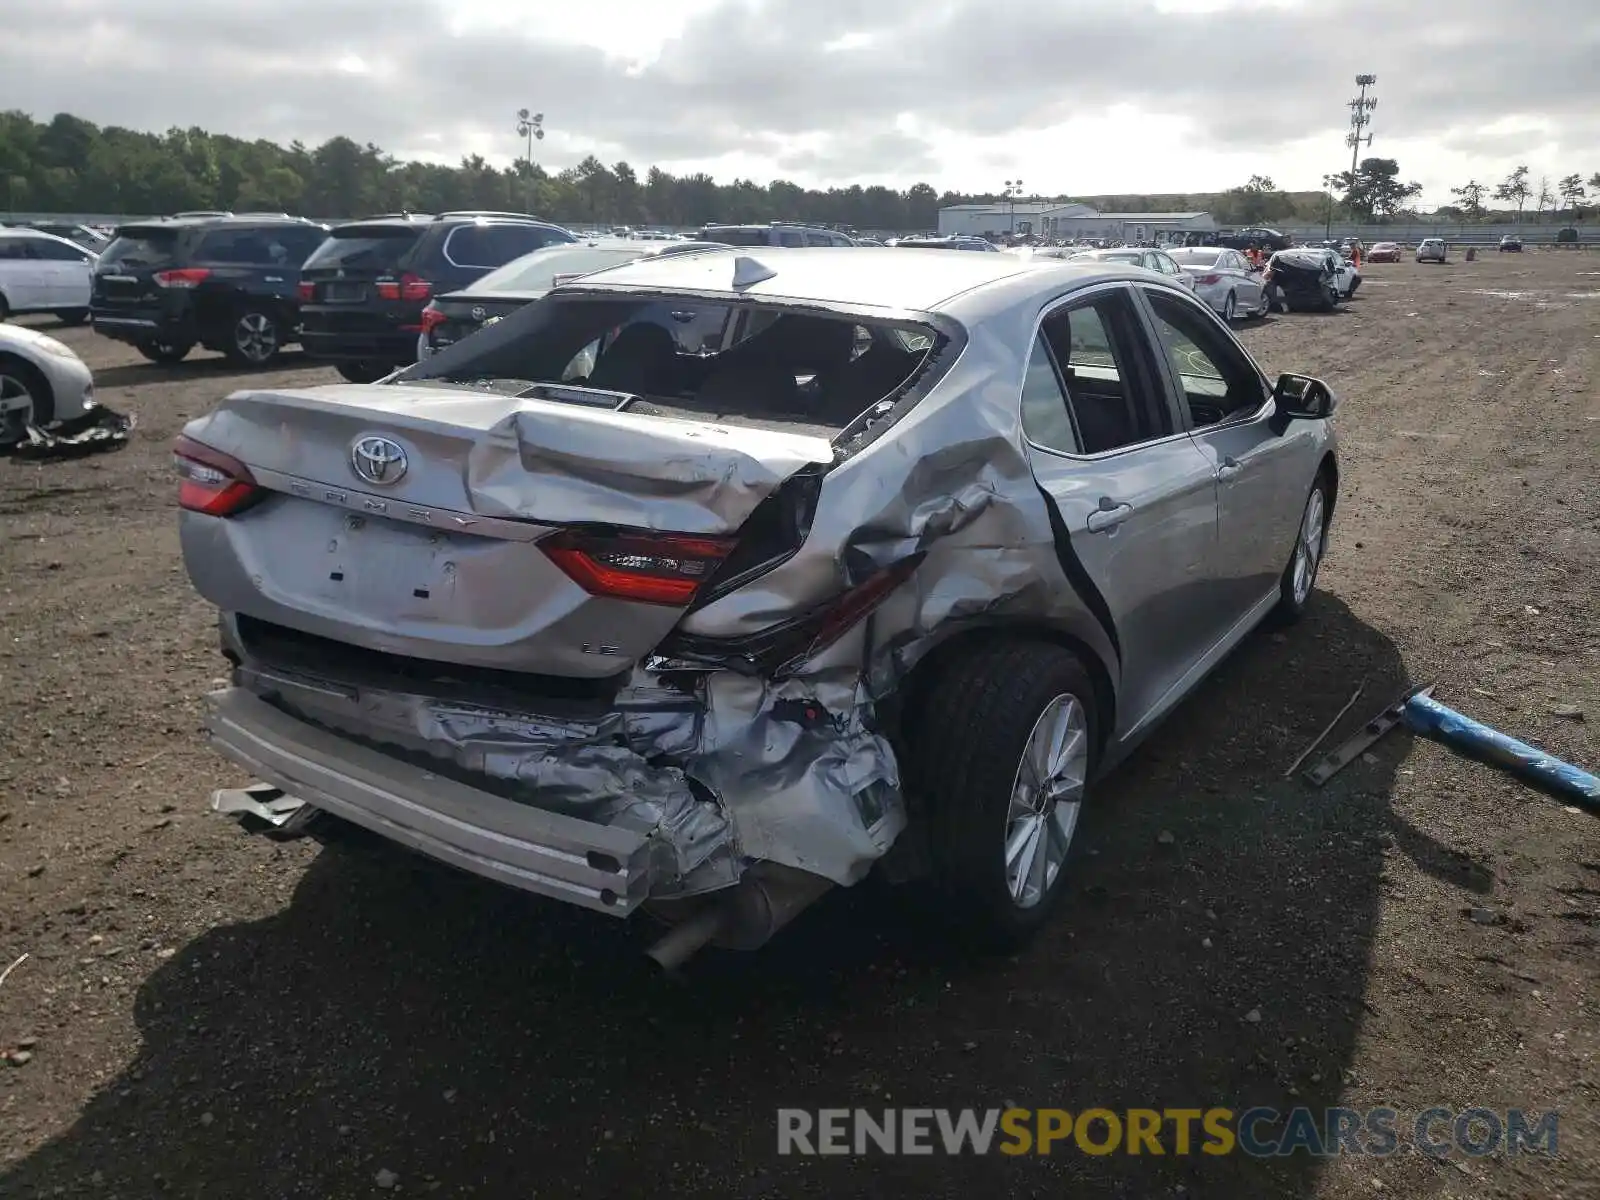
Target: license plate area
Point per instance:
(344, 293)
(392, 570)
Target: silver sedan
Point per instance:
(921, 547)
(1225, 280)
(1158, 261)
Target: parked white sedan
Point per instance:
(1225, 280)
(40, 272)
(42, 382)
(1158, 261)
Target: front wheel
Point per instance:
(1004, 745)
(25, 397)
(255, 339)
(1229, 308)
(165, 352)
(1311, 541)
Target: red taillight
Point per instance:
(182, 277)
(851, 608)
(306, 291)
(654, 568)
(431, 318)
(407, 287)
(212, 482)
(1208, 279)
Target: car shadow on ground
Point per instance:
(201, 366)
(398, 1017)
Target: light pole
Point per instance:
(531, 127)
(1013, 190)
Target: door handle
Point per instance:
(1109, 515)
(1229, 468)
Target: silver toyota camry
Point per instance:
(706, 584)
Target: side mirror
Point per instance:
(1302, 398)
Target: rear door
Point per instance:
(21, 280)
(1136, 497)
(64, 271)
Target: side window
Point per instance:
(1111, 397)
(814, 238)
(1219, 383)
(1045, 418)
(790, 237)
(300, 244)
(55, 251)
(13, 249)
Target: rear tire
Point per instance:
(5, 308)
(20, 377)
(362, 372)
(255, 338)
(165, 352)
(1002, 746)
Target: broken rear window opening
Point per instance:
(364, 246)
(690, 357)
(140, 247)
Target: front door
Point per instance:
(1260, 463)
(1136, 497)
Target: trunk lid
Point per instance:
(450, 556)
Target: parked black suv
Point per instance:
(778, 233)
(1243, 239)
(226, 283)
(362, 293)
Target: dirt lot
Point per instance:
(209, 1014)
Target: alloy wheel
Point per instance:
(256, 336)
(1046, 798)
(1308, 550)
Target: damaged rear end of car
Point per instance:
(585, 603)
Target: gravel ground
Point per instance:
(202, 1013)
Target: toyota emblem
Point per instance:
(378, 460)
(479, 312)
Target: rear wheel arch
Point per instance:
(932, 666)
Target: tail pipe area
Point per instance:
(742, 917)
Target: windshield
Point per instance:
(377, 246)
(682, 357)
(141, 248)
(536, 272)
(1196, 257)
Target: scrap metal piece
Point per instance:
(93, 433)
(267, 806)
(1327, 729)
(1440, 723)
(1330, 765)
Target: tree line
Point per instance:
(70, 165)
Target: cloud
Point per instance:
(1097, 95)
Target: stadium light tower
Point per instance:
(531, 127)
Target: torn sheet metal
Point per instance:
(581, 768)
(94, 432)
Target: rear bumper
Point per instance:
(143, 325)
(596, 866)
(352, 347)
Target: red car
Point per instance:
(1384, 252)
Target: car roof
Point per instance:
(19, 231)
(967, 286)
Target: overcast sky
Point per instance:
(1073, 96)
